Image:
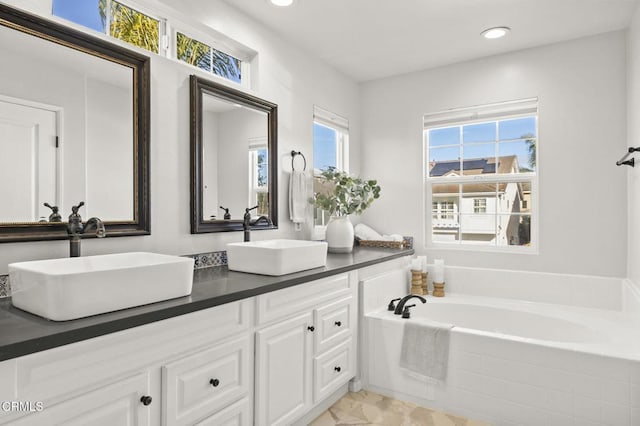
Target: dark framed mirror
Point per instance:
(234, 146)
(74, 126)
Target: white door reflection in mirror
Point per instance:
(28, 161)
(93, 97)
(232, 133)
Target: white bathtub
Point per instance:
(516, 362)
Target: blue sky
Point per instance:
(324, 147)
(84, 12)
(478, 140)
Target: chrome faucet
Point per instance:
(404, 300)
(75, 228)
(248, 222)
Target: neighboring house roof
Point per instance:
(473, 166)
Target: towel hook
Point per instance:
(631, 162)
(293, 156)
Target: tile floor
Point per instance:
(368, 408)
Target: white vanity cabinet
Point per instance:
(168, 365)
(305, 347)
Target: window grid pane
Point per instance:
(134, 27)
(207, 58)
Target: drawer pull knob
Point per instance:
(337, 369)
(311, 328)
(338, 323)
(146, 400)
(214, 382)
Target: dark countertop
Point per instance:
(22, 333)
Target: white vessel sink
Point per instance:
(276, 257)
(66, 289)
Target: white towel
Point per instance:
(366, 233)
(298, 196)
(425, 348)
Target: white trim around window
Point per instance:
(450, 235)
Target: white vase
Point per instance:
(339, 234)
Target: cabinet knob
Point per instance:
(214, 382)
(311, 328)
(146, 400)
(338, 323)
(337, 369)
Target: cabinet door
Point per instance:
(283, 371)
(117, 404)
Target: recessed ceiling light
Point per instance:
(282, 3)
(495, 32)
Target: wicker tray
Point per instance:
(384, 244)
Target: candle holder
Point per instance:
(416, 282)
(425, 289)
(438, 289)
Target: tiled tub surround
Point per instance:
(534, 375)
(22, 333)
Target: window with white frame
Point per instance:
(115, 19)
(330, 149)
(481, 175)
(479, 205)
(126, 21)
(207, 58)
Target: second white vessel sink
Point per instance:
(70, 288)
(276, 257)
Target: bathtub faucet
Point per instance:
(404, 300)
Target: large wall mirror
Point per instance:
(74, 126)
(233, 158)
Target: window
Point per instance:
(330, 149)
(481, 175)
(479, 205)
(259, 177)
(119, 19)
(207, 58)
(112, 18)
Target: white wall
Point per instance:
(582, 132)
(633, 139)
(285, 75)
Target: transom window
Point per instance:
(207, 58)
(142, 29)
(481, 175)
(114, 19)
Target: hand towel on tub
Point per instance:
(298, 196)
(425, 348)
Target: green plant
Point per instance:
(345, 194)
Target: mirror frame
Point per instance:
(140, 65)
(199, 87)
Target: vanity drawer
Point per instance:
(237, 414)
(203, 383)
(333, 369)
(335, 323)
(304, 297)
